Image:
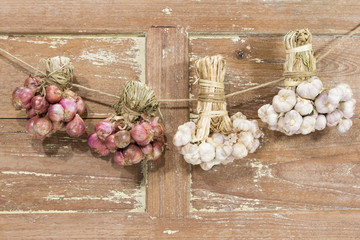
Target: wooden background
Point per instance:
(298, 187)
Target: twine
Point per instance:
(318, 57)
(300, 62)
(213, 116)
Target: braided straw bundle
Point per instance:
(304, 105)
(216, 138)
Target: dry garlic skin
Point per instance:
(284, 101)
(310, 89)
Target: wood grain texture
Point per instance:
(318, 172)
(62, 173)
(101, 62)
(246, 225)
(256, 16)
(255, 60)
(167, 72)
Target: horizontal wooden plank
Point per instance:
(245, 225)
(255, 60)
(101, 62)
(57, 154)
(258, 16)
(318, 171)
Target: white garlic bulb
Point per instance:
(304, 106)
(292, 122)
(191, 153)
(344, 125)
(241, 125)
(347, 92)
(320, 123)
(284, 101)
(228, 160)
(238, 115)
(308, 125)
(247, 139)
(239, 151)
(181, 138)
(323, 105)
(309, 89)
(348, 108)
(255, 130)
(254, 146)
(207, 152)
(206, 165)
(223, 152)
(232, 138)
(191, 126)
(217, 138)
(334, 118)
(335, 95)
(267, 114)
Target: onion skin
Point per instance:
(97, 145)
(142, 134)
(76, 127)
(30, 112)
(57, 126)
(80, 105)
(42, 127)
(69, 109)
(122, 138)
(56, 112)
(22, 97)
(30, 126)
(148, 152)
(39, 104)
(33, 83)
(110, 144)
(157, 151)
(120, 160)
(133, 154)
(104, 129)
(53, 94)
(69, 94)
(157, 128)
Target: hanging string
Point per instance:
(318, 57)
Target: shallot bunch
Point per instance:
(129, 142)
(50, 109)
(309, 107)
(218, 148)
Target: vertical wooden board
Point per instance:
(255, 60)
(101, 62)
(167, 72)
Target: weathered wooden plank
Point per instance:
(229, 225)
(58, 154)
(86, 16)
(167, 72)
(318, 171)
(101, 62)
(34, 191)
(255, 60)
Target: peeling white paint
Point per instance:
(257, 60)
(99, 57)
(167, 11)
(170, 231)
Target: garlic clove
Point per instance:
(334, 117)
(207, 152)
(239, 151)
(320, 123)
(304, 106)
(308, 125)
(310, 89)
(284, 101)
(292, 122)
(241, 125)
(344, 125)
(346, 90)
(348, 108)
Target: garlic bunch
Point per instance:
(218, 148)
(309, 107)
